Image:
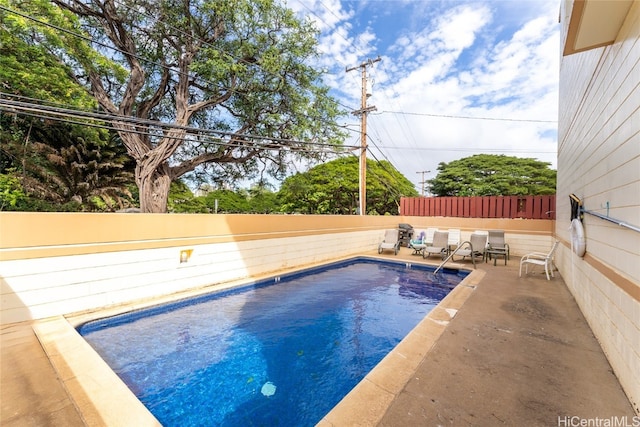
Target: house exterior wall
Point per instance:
(61, 263)
(599, 161)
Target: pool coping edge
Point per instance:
(99, 395)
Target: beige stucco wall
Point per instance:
(599, 161)
(62, 263)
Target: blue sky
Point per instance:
(456, 78)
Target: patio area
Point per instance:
(518, 352)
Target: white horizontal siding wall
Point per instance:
(44, 287)
(599, 161)
(599, 147)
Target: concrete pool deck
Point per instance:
(517, 352)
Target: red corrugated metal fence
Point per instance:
(529, 207)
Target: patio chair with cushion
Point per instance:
(440, 245)
(454, 238)
(391, 241)
(484, 233)
(474, 248)
(539, 258)
(497, 247)
(429, 236)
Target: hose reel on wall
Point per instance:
(578, 240)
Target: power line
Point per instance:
(447, 116)
(381, 179)
(471, 149)
(99, 114)
(405, 128)
(80, 117)
(61, 115)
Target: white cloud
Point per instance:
(458, 27)
(326, 14)
(480, 59)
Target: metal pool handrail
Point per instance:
(473, 259)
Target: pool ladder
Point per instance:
(473, 259)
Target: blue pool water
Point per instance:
(276, 353)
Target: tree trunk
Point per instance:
(154, 187)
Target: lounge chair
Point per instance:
(454, 238)
(474, 248)
(391, 241)
(497, 246)
(419, 243)
(429, 236)
(440, 245)
(485, 232)
(539, 258)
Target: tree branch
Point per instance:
(146, 106)
(226, 157)
(198, 106)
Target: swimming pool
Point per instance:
(262, 354)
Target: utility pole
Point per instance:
(362, 112)
(423, 181)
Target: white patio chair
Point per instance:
(539, 258)
(391, 241)
(440, 245)
(454, 238)
(429, 237)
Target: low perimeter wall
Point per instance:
(62, 263)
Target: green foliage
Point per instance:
(333, 188)
(11, 192)
(60, 167)
(256, 200)
(493, 175)
(14, 198)
(182, 200)
(228, 201)
(57, 53)
(29, 67)
(262, 200)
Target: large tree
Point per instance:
(493, 175)
(332, 188)
(169, 72)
